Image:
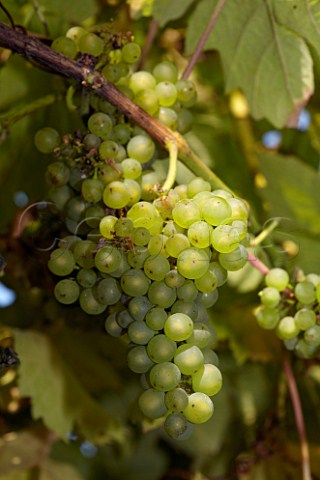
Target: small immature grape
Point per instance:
(47, 139)
(277, 278)
(66, 291)
(131, 52)
(151, 403)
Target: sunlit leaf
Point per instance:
(165, 10)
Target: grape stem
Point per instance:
(152, 32)
(298, 413)
(203, 40)
(258, 264)
(172, 170)
(34, 50)
(265, 233)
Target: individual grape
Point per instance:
(91, 141)
(66, 291)
(186, 212)
(137, 257)
(107, 226)
(225, 238)
(207, 379)
(165, 71)
(89, 303)
(92, 190)
(61, 262)
(151, 403)
(287, 328)
(112, 72)
(139, 333)
(143, 214)
(121, 133)
(141, 147)
(150, 184)
(131, 52)
(141, 236)
(57, 174)
(131, 168)
(47, 139)
(134, 191)
(86, 277)
(116, 195)
(305, 292)
(185, 121)
(192, 263)
(156, 245)
(313, 278)
(303, 350)
(108, 291)
(210, 356)
(60, 196)
(305, 319)
(216, 211)
(123, 227)
(138, 307)
(161, 295)
(270, 297)
(93, 216)
(201, 198)
(134, 283)
(148, 100)
(199, 234)
(188, 291)
(234, 260)
(141, 81)
(161, 349)
(75, 33)
(178, 327)
(100, 124)
(122, 268)
(220, 272)
(186, 92)
(166, 93)
(173, 279)
(188, 358)
(112, 327)
(75, 209)
(312, 336)
(176, 400)
(168, 117)
(90, 43)
(197, 185)
(69, 242)
(201, 336)
(107, 259)
(64, 45)
(176, 244)
(177, 426)
(156, 317)
(165, 376)
(138, 360)
(156, 267)
(199, 409)
(124, 318)
(267, 317)
(109, 173)
(207, 282)
(239, 209)
(208, 299)
(277, 278)
(108, 150)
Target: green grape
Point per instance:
(303, 350)
(202, 313)
(287, 328)
(305, 319)
(69, 242)
(134, 283)
(173, 279)
(75, 33)
(107, 226)
(109, 173)
(165, 376)
(234, 260)
(156, 267)
(64, 45)
(210, 356)
(138, 359)
(239, 209)
(176, 244)
(168, 117)
(186, 92)
(192, 263)
(161, 349)
(313, 278)
(124, 318)
(188, 291)
(100, 124)
(151, 403)
(141, 81)
(122, 268)
(202, 335)
(207, 282)
(199, 234)
(131, 52)
(305, 292)
(148, 100)
(140, 333)
(181, 190)
(186, 212)
(116, 195)
(141, 236)
(57, 174)
(47, 139)
(167, 93)
(67, 291)
(89, 303)
(225, 238)
(91, 44)
(138, 307)
(108, 291)
(199, 409)
(177, 426)
(197, 185)
(156, 245)
(241, 227)
(208, 299)
(185, 121)
(93, 216)
(121, 133)
(91, 141)
(112, 327)
(137, 257)
(165, 71)
(134, 191)
(164, 205)
(270, 297)
(131, 168)
(189, 308)
(176, 400)
(123, 227)
(178, 327)
(188, 358)
(115, 56)
(143, 214)
(220, 272)
(318, 292)
(108, 150)
(207, 379)
(277, 278)
(201, 198)
(92, 190)
(216, 211)
(107, 259)
(267, 317)
(112, 72)
(75, 208)
(155, 318)
(61, 262)
(312, 336)
(86, 277)
(161, 295)
(76, 179)
(141, 147)
(60, 196)
(150, 183)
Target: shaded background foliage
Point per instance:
(256, 81)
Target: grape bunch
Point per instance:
(293, 310)
(150, 260)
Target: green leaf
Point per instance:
(269, 63)
(51, 470)
(56, 394)
(165, 11)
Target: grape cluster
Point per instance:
(293, 310)
(151, 261)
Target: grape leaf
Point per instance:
(272, 65)
(165, 11)
(56, 394)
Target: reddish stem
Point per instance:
(152, 32)
(258, 264)
(298, 413)
(203, 40)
